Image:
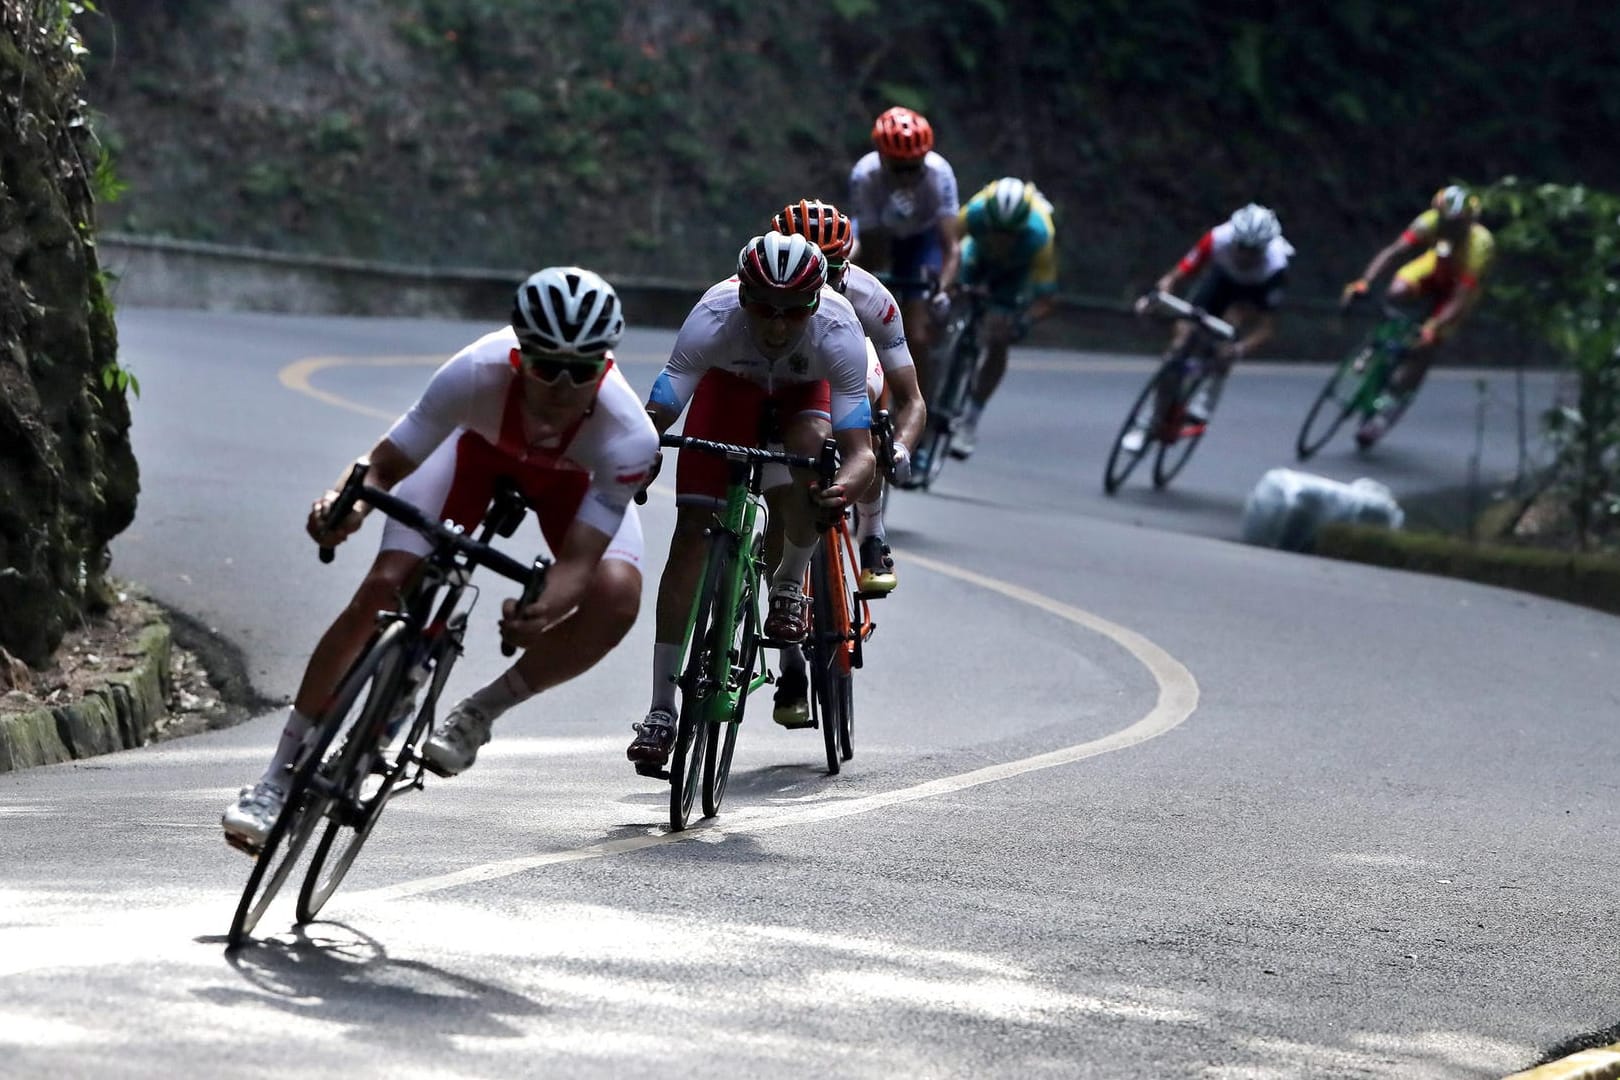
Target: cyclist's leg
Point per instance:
(998, 331)
(806, 424)
(914, 258)
(877, 568)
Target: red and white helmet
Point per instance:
(782, 270)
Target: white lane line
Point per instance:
(1177, 698)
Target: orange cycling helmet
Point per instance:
(823, 224)
(902, 134)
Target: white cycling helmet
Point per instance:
(1009, 203)
(567, 310)
(1255, 226)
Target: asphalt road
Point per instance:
(1129, 799)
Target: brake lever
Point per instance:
(345, 503)
(531, 592)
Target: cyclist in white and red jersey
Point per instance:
(1244, 262)
(539, 402)
(903, 202)
(773, 334)
(891, 376)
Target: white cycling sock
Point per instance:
(869, 521)
(974, 408)
(292, 740)
(500, 695)
(666, 658)
(795, 561)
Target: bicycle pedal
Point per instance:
(653, 772)
(873, 595)
(242, 844)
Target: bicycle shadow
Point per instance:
(332, 973)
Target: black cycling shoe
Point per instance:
(655, 737)
(792, 699)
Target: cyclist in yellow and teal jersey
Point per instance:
(1455, 253)
(1009, 250)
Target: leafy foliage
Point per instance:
(1560, 256)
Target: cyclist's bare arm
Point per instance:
(910, 413)
(1457, 305)
(1260, 328)
(389, 466)
(1041, 307)
(1399, 249)
(856, 467)
(566, 584)
(951, 251)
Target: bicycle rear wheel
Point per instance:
(1330, 410)
(1173, 456)
(351, 818)
(699, 685)
(1141, 419)
(948, 405)
(314, 783)
(741, 636)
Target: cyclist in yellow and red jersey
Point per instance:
(1456, 254)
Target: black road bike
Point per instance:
(365, 748)
(1159, 420)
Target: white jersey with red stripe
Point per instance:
(876, 201)
(1215, 246)
(879, 313)
(715, 335)
(480, 390)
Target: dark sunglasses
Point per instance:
(549, 367)
(764, 310)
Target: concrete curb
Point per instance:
(1601, 1063)
(121, 714)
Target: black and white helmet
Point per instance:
(1255, 226)
(568, 310)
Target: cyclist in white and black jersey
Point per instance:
(903, 203)
(1244, 261)
(891, 378)
(540, 403)
(772, 334)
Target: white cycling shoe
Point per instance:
(454, 744)
(250, 818)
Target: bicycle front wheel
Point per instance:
(316, 781)
(1174, 455)
(372, 779)
(741, 635)
(830, 676)
(1135, 436)
(1331, 408)
(699, 685)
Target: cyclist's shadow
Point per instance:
(331, 972)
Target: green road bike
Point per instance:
(365, 748)
(1160, 417)
(1359, 386)
(722, 659)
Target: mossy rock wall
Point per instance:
(68, 479)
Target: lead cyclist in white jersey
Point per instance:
(890, 374)
(772, 334)
(541, 403)
(903, 200)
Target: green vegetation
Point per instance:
(1559, 257)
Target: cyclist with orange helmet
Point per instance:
(771, 333)
(890, 373)
(903, 201)
(1445, 279)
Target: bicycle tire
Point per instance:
(741, 652)
(1141, 415)
(306, 800)
(316, 890)
(686, 758)
(948, 404)
(1307, 443)
(1173, 456)
(828, 642)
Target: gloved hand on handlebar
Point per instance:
(901, 473)
(652, 474)
(939, 305)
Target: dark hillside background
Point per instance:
(654, 136)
